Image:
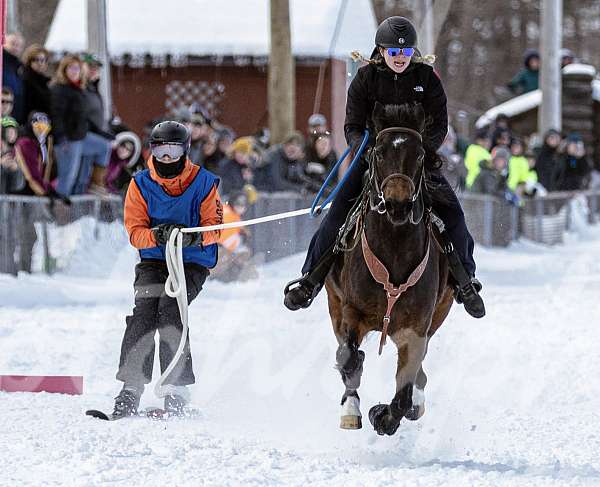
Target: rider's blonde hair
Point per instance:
(357, 56)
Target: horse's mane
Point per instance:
(412, 115)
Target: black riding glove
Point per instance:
(163, 231)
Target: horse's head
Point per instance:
(397, 162)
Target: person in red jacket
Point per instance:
(171, 193)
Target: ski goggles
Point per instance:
(396, 51)
(174, 151)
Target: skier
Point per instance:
(171, 193)
(395, 74)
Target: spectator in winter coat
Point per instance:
(519, 172)
(546, 164)
(36, 91)
(200, 131)
(492, 179)
(11, 177)
(124, 156)
(320, 157)
(501, 134)
(317, 124)
(573, 167)
(11, 72)
(72, 137)
(236, 170)
(453, 167)
(282, 167)
(8, 101)
(527, 79)
(211, 154)
(33, 156)
(477, 152)
(93, 169)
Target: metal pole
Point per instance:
(97, 43)
(550, 113)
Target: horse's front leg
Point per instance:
(385, 418)
(349, 361)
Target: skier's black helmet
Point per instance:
(396, 31)
(170, 132)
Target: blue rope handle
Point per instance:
(315, 209)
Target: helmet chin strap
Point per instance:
(169, 170)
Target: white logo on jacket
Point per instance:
(419, 88)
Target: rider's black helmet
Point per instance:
(170, 132)
(396, 32)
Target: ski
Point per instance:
(155, 413)
(94, 413)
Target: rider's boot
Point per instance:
(300, 293)
(467, 287)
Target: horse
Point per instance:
(393, 243)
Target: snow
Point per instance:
(580, 69)
(511, 108)
(206, 27)
(512, 399)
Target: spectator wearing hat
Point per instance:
(282, 166)
(200, 132)
(493, 174)
(36, 92)
(546, 164)
(573, 167)
(71, 123)
(124, 156)
(477, 152)
(520, 174)
(11, 72)
(93, 169)
(320, 158)
(235, 170)
(12, 180)
(527, 79)
(566, 57)
(317, 123)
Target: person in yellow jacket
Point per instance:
(519, 171)
(477, 152)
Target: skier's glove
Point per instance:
(163, 231)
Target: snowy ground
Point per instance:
(512, 399)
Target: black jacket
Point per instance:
(278, 173)
(573, 173)
(379, 83)
(68, 112)
(36, 91)
(11, 78)
(95, 111)
(547, 167)
(232, 176)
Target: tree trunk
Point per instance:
(34, 19)
(281, 73)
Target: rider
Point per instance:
(395, 74)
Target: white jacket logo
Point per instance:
(419, 88)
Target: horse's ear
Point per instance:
(378, 110)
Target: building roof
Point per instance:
(238, 28)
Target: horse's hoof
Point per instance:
(351, 417)
(382, 420)
(351, 422)
(415, 412)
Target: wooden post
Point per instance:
(550, 113)
(281, 97)
(97, 43)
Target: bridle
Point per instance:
(376, 197)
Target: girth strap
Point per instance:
(382, 276)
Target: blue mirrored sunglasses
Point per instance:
(396, 51)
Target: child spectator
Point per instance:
(527, 79)
(546, 165)
(477, 152)
(8, 101)
(36, 92)
(12, 180)
(573, 167)
(124, 156)
(519, 171)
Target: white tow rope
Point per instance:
(175, 286)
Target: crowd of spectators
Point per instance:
(501, 163)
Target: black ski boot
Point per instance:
(468, 294)
(300, 293)
(126, 403)
(174, 405)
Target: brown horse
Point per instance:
(394, 248)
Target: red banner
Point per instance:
(62, 384)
